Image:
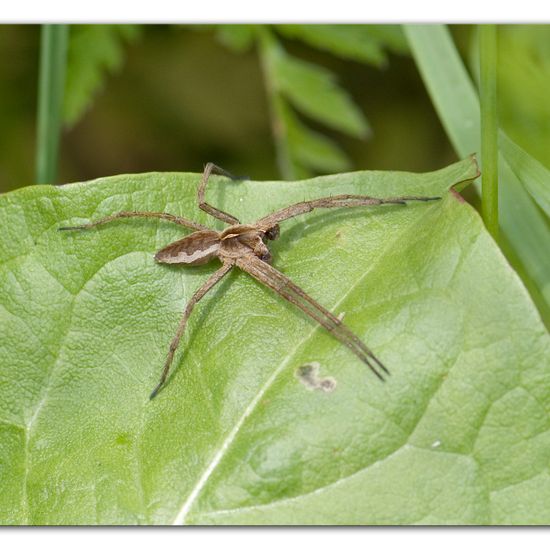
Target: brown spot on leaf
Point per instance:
(308, 375)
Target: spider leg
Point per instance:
(162, 215)
(209, 169)
(337, 201)
(213, 279)
(291, 292)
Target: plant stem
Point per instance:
(51, 87)
(269, 51)
(489, 127)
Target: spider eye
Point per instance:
(266, 257)
(272, 233)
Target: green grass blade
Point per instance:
(449, 85)
(534, 175)
(455, 99)
(53, 60)
(269, 51)
(489, 127)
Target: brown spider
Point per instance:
(244, 246)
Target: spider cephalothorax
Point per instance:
(244, 246)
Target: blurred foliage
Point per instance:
(95, 51)
(364, 43)
(175, 98)
(293, 84)
(312, 90)
(524, 81)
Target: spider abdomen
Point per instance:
(196, 249)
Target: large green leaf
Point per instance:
(460, 433)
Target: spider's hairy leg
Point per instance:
(213, 279)
(281, 284)
(162, 215)
(336, 201)
(209, 169)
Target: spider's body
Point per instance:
(244, 246)
(202, 246)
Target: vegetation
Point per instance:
(458, 434)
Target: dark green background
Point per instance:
(181, 98)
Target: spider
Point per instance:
(244, 246)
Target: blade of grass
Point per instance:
(489, 127)
(450, 88)
(534, 175)
(456, 102)
(269, 50)
(51, 84)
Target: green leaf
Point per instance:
(298, 149)
(94, 51)
(460, 433)
(239, 38)
(313, 90)
(365, 43)
(312, 149)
